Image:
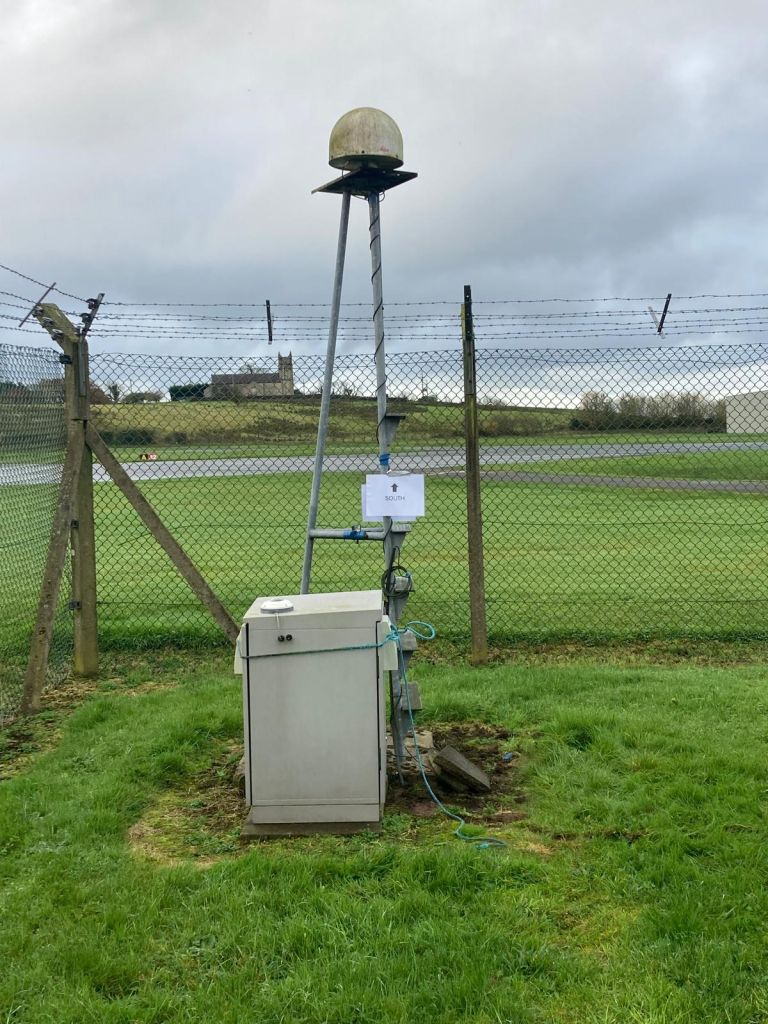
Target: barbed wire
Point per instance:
(481, 337)
(176, 321)
(357, 328)
(42, 284)
(400, 304)
(446, 302)
(430, 318)
(507, 335)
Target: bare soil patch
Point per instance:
(201, 822)
(490, 747)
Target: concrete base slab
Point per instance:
(264, 830)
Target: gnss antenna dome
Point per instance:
(365, 137)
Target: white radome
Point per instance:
(365, 137)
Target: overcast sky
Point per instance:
(165, 150)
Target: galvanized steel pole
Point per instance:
(325, 398)
(399, 718)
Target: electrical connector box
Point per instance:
(314, 684)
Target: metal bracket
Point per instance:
(36, 305)
(74, 606)
(389, 425)
(659, 321)
(64, 359)
(88, 318)
(366, 180)
(412, 701)
(353, 533)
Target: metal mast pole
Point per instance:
(385, 428)
(325, 398)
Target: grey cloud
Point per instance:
(166, 151)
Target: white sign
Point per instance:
(401, 497)
(364, 506)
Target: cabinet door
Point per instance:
(314, 722)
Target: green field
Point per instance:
(632, 887)
(562, 562)
(295, 420)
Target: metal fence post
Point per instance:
(82, 537)
(474, 506)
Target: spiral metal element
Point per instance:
(378, 329)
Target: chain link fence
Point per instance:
(624, 490)
(33, 433)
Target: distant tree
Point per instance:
(664, 411)
(140, 397)
(98, 395)
(114, 392)
(597, 411)
(187, 392)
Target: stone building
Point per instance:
(228, 386)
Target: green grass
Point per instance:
(27, 512)
(632, 890)
(728, 465)
(251, 425)
(562, 562)
(584, 563)
(238, 423)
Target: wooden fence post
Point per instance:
(474, 506)
(81, 526)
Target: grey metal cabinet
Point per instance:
(313, 668)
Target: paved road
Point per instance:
(430, 460)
